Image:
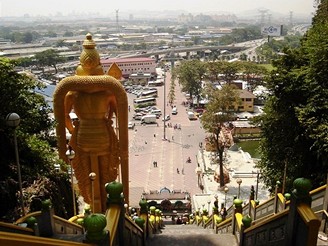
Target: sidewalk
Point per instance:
(240, 165)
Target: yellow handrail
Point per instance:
(307, 214)
(311, 221)
(317, 190)
(113, 217)
(265, 221)
(16, 227)
(16, 239)
(322, 211)
(22, 219)
(239, 218)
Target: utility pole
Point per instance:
(117, 26)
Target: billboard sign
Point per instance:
(273, 31)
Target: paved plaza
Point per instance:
(146, 146)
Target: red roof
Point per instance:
(127, 60)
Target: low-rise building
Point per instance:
(130, 66)
(247, 101)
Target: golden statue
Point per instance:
(95, 98)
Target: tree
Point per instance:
(49, 58)
(37, 156)
(190, 75)
(213, 71)
(218, 111)
(253, 74)
(298, 91)
(229, 70)
(171, 94)
(68, 34)
(25, 61)
(51, 34)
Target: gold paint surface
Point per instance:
(95, 98)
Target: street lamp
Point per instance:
(92, 177)
(164, 111)
(239, 181)
(126, 207)
(257, 184)
(226, 189)
(13, 121)
(70, 155)
(198, 171)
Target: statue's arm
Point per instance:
(69, 102)
(112, 106)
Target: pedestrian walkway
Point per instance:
(240, 166)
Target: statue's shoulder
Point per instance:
(71, 94)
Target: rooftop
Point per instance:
(126, 60)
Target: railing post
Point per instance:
(241, 236)
(276, 191)
(144, 215)
(251, 198)
(115, 198)
(46, 224)
(325, 207)
(300, 194)
(238, 208)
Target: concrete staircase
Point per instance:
(188, 235)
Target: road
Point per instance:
(146, 145)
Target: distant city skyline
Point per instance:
(107, 8)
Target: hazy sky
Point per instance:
(45, 7)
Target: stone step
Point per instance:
(183, 229)
(187, 235)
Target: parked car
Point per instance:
(166, 118)
(131, 125)
(137, 116)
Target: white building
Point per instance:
(131, 65)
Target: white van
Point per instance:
(175, 111)
(148, 119)
(157, 112)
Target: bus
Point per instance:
(149, 93)
(155, 83)
(144, 102)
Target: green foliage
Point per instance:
(274, 48)
(171, 95)
(49, 58)
(241, 35)
(17, 95)
(18, 35)
(190, 74)
(294, 125)
(36, 156)
(218, 111)
(51, 34)
(68, 34)
(219, 108)
(25, 61)
(250, 146)
(253, 74)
